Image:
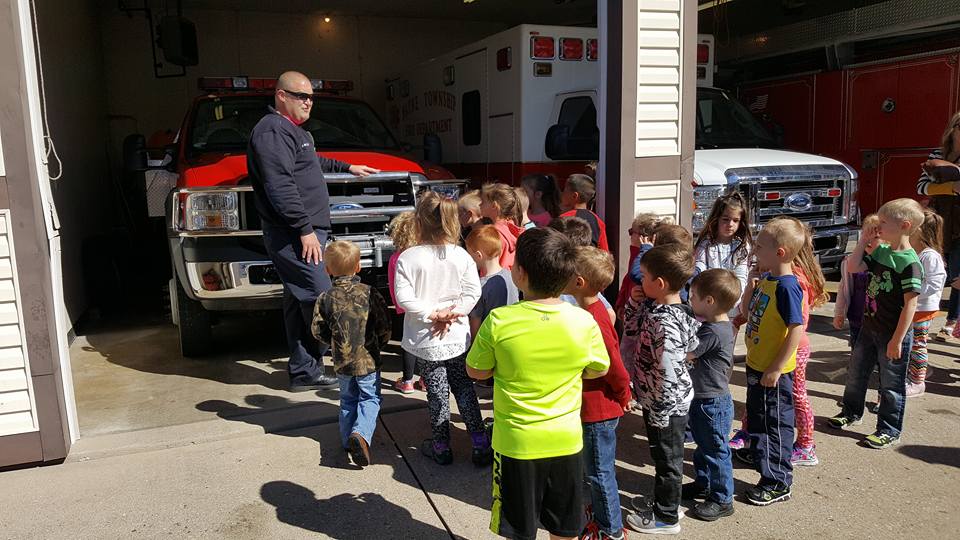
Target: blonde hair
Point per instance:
(596, 267)
(871, 220)
(645, 223)
(470, 201)
(903, 210)
(930, 233)
(403, 230)
(437, 221)
(486, 240)
(505, 197)
(341, 258)
(946, 141)
(806, 261)
(523, 200)
(788, 233)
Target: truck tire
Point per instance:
(193, 323)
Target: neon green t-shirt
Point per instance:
(538, 353)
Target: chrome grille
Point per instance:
(775, 191)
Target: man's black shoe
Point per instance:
(323, 381)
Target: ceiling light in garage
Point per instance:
(326, 19)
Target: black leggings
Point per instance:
(409, 365)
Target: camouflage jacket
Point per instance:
(352, 317)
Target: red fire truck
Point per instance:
(214, 236)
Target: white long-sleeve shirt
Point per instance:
(431, 278)
(934, 276)
(709, 256)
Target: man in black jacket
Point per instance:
(294, 205)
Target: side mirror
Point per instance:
(134, 153)
(555, 144)
(432, 148)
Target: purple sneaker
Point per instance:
(806, 457)
(739, 440)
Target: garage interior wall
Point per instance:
(259, 44)
(76, 99)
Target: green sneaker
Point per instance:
(879, 441)
(841, 421)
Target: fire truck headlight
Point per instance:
(216, 211)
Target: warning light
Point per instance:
(542, 48)
(593, 49)
(703, 53)
(571, 49)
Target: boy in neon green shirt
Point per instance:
(538, 351)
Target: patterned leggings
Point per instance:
(443, 377)
(917, 371)
(803, 411)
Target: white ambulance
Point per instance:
(525, 100)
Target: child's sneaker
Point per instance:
(646, 523)
(694, 492)
(593, 532)
(402, 386)
(482, 453)
(945, 335)
(744, 455)
(804, 456)
(763, 496)
(739, 440)
(879, 441)
(841, 421)
(915, 389)
(711, 510)
(438, 452)
(420, 385)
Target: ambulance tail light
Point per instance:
(207, 211)
(703, 53)
(593, 50)
(571, 49)
(542, 48)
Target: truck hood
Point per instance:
(710, 165)
(229, 169)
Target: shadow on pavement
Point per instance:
(940, 455)
(345, 516)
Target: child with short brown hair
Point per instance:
(352, 317)
(666, 331)
(578, 198)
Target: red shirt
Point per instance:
(596, 224)
(605, 398)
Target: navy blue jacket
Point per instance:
(287, 175)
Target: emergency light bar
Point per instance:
(264, 84)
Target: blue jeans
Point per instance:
(711, 420)
(600, 469)
(770, 419)
(359, 405)
(869, 352)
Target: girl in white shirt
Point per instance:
(725, 241)
(437, 285)
(927, 241)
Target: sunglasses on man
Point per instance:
(301, 96)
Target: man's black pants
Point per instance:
(302, 283)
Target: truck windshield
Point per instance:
(223, 124)
(725, 123)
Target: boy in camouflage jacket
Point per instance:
(353, 319)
